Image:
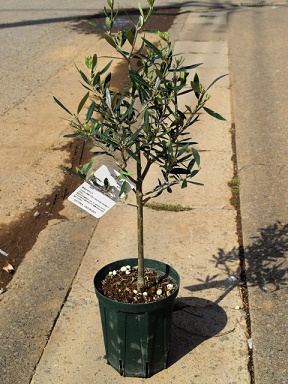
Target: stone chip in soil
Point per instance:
(121, 286)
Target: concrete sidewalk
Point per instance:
(209, 337)
(50, 322)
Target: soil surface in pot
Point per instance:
(121, 285)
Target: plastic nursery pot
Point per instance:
(137, 336)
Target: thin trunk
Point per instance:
(139, 197)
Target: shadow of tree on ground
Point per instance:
(264, 261)
(261, 264)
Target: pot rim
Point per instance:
(150, 264)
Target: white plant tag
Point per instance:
(101, 192)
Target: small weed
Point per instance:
(168, 207)
(232, 129)
(234, 185)
(257, 4)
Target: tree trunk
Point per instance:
(139, 198)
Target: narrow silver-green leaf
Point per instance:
(136, 134)
(218, 78)
(196, 156)
(84, 77)
(71, 135)
(108, 98)
(152, 47)
(105, 68)
(214, 114)
(131, 35)
(110, 40)
(186, 68)
(90, 111)
(133, 155)
(82, 103)
(62, 106)
(141, 10)
(123, 188)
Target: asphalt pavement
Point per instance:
(50, 321)
(259, 78)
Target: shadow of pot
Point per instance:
(194, 321)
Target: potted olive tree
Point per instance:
(141, 127)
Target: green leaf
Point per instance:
(184, 159)
(69, 170)
(108, 23)
(194, 173)
(196, 83)
(96, 25)
(71, 135)
(96, 81)
(131, 35)
(137, 79)
(94, 63)
(214, 114)
(110, 40)
(90, 111)
(218, 78)
(105, 69)
(159, 73)
(84, 77)
(141, 10)
(108, 98)
(196, 156)
(186, 68)
(107, 79)
(191, 164)
(146, 118)
(82, 103)
(123, 188)
(183, 149)
(136, 134)
(163, 35)
(123, 37)
(62, 106)
(141, 21)
(124, 173)
(180, 171)
(87, 62)
(105, 11)
(152, 47)
(184, 92)
(143, 94)
(195, 182)
(195, 86)
(133, 155)
(184, 184)
(86, 167)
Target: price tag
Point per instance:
(101, 192)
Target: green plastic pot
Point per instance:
(137, 336)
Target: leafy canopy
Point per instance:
(144, 123)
